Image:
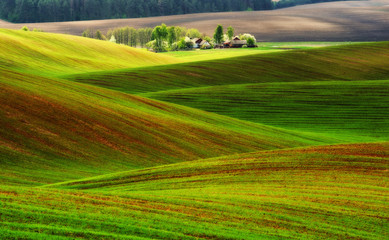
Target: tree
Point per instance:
(250, 42)
(218, 36)
(88, 33)
(249, 38)
(193, 33)
(132, 37)
(99, 35)
(185, 43)
(181, 32)
(24, 28)
(144, 36)
(160, 34)
(230, 32)
(172, 37)
(125, 35)
(153, 45)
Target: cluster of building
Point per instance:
(236, 42)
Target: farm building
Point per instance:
(205, 44)
(196, 42)
(200, 43)
(237, 43)
(234, 43)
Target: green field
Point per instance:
(103, 141)
(334, 192)
(263, 47)
(361, 107)
(212, 54)
(367, 61)
(56, 54)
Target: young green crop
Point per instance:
(55, 54)
(337, 191)
(53, 129)
(352, 110)
(85, 162)
(367, 61)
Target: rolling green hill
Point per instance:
(56, 54)
(355, 110)
(82, 157)
(366, 61)
(53, 129)
(331, 192)
(56, 125)
(340, 91)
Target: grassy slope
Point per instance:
(54, 130)
(212, 54)
(330, 92)
(55, 54)
(70, 130)
(368, 61)
(358, 110)
(350, 62)
(263, 47)
(332, 192)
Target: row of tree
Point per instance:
(70, 10)
(140, 37)
(163, 38)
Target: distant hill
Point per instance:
(62, 54)
(334, 21)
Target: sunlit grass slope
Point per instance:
(51, 130)
(55, 54)
(212, 54)
(263, 47)
(331, 192)
(367, 61)
(357, 110)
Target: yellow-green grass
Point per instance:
(366, 61)
(299, 45)
(330, 192)
(353, 110)
(264, 47)
(56, 54)
(212, 54)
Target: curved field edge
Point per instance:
(352, 110)
(337, 192)
(365, 61)
(55, 54)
